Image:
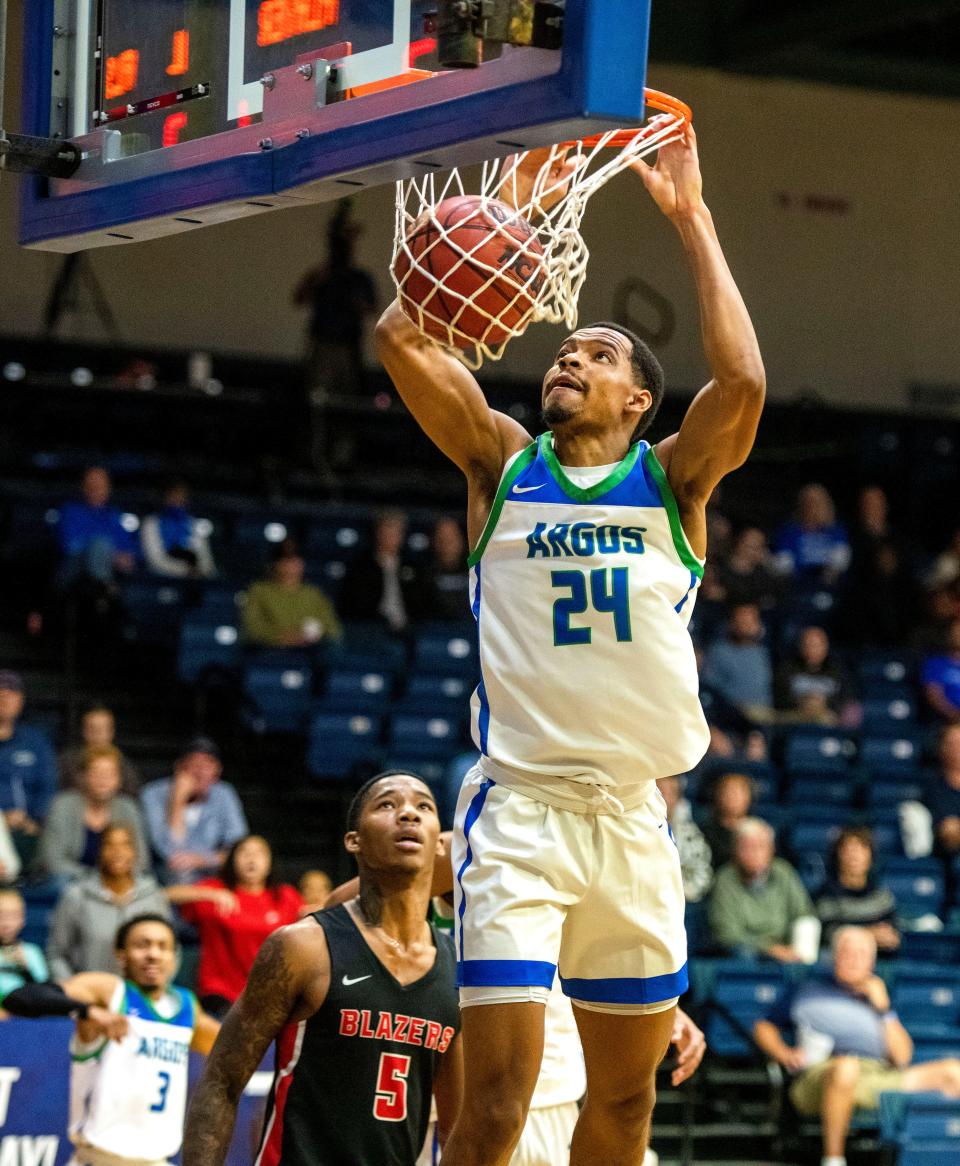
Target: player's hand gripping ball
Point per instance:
(470, 270)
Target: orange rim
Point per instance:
(655, 100)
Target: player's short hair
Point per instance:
(362, 796)
(647, 372)
(123, 931)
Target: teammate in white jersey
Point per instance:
(588, 690)
(128, 1081)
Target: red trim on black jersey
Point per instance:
(289, 1043)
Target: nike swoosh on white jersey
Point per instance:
(526, 489)
(356, 980)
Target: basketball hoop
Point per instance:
(554, 212)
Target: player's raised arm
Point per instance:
(446, 400)
(289, 960)
(719, 429)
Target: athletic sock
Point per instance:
(834, 1160)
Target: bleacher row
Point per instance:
(922, 1129)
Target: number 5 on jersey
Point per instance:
(390, 1103)
(612, 596)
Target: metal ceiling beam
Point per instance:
(837, 22)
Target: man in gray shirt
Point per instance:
(193, 817)
(849, 1046)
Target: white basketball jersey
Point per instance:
(582, 597)
(129, 1098)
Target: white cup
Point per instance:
(805, 938)
(817, 1046)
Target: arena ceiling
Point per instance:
(904, 45)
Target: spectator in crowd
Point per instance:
(341, 298)
(72, 833)
(879, 601)
(315, 887)
(738, 665)
(193, 817)
(84, 924)
(174, 543)
(231, 933)
(813, 546)
(757, 898)
(731, 802)
(97, 729)
(285, 612)
(379, 585)
(696, 867)
(941, 609)
(943, 796)
(443, 589)
(940, 676)
(945, 570)
(813, 686)
(746, 574)
(93, 539)
(28, 769)
(848, 1045)
(20, 962)
(852, 894)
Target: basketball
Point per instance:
(470, 271)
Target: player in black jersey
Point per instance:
(362, 1003)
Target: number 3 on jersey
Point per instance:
(390, 1103)
(612, 596)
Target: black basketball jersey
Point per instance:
(353, 1083)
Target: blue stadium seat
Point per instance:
(825, 793)
(888, 716)
(221, 601)
(900, 753)
(821, 752)
(942, 947)
(744, 991)
(336, 538)
(916, 893)
(207, 648)
(153, 610)
(357, 692)
(882, 794)
(922, 1003)
(256, 536)
(814, 838)
(937, 1049)
(280, 694)
(369, 647)
(338, 742)
(447, 651)
(885, 668)
(443, 696)
(431, 771)
(424, 737)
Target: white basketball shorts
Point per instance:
(546, 1136)
(600, 895)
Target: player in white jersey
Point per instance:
(588, 692)
(128, 1081)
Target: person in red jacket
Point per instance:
(245, 905)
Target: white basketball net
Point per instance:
(557, 226)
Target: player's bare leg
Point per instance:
(502, 1051)
(622, 1053)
